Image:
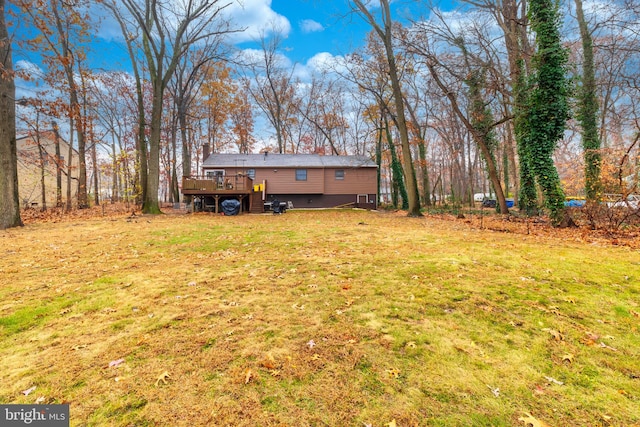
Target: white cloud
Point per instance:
(256, 56)
(325, 62)
(310, 26)
(320, 63)
(256, 17)
(29, 68)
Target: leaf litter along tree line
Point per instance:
(461, 120)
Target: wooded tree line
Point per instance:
(532, 100)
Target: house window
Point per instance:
(301, 174)
(251, 173)
(215, 174)
(339, 174)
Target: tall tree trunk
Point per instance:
(9, 197)
(58, 165)
(116, 173)
(75, 110)
(151, 205)
(426, 194)
(186, 150)
(396, 169)
(384, 32)
(588, 112)
(69, 205)
(547, 107)
(43, 164)
(96, 175)
(379, 163)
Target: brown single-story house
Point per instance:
(299, 180)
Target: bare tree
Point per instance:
(168, 31)
(273, 88)
(384, 31)
(454, 60)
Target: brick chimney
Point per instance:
(205, 152)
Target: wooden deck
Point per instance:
(208, 192)
(205, 186)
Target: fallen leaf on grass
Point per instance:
(268, 361)
(531, 421)
(539, 390)
(274, 373)
(635, 313)
(392, 423)
(248, 375)
(411, 344)
(393, 373)
(608, 347)
(495, 391)
(568, 358)
(311, 344)
(78, 347)
(554, 381)
(39, 400)
(116, 363)
(163, 377)
(555, 334)
(28, 391)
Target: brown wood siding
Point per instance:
(284, 181)
(356, 181)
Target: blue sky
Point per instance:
(311, 27)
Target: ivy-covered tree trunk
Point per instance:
(396, 170)
(588, 111)
(527, 196)
(379, 164)
(548, 108)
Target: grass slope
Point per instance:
(331, 318)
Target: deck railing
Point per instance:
(212, 185)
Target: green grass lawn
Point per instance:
(319, 318)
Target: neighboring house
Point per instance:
(300, 180)
(36, 152)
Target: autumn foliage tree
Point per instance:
(241, 115)
(62, 33)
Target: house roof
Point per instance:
(271, 160)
